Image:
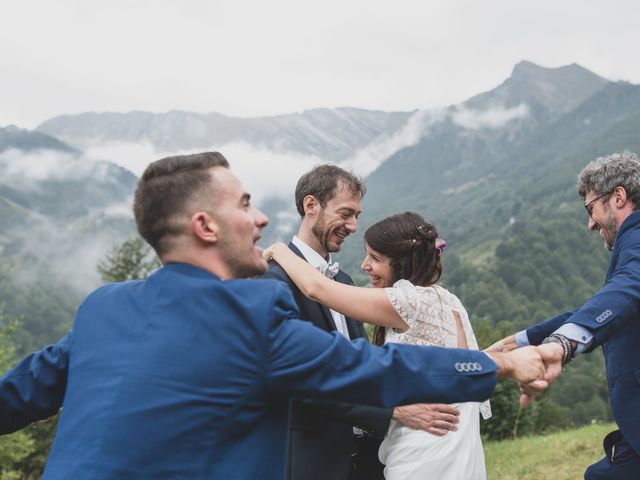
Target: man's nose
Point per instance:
(260, 218)
(591, 224)
(352, 225)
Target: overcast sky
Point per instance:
(248, 58)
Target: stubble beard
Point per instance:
(609, 234)
(243, 269)
(608, 231)
(242, 265)
(320, 231)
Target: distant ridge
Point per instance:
(331, 134)
(14, 137)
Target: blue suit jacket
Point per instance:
(185, 376)
(612, 315)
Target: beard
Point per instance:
(246, 270)
(319, 231)
(608, 231)
(243, 262)
(608, 234)
(323, 235)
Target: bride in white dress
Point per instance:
(403, 262)
(434, 315)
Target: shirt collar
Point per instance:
(314, 258)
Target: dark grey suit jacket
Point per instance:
(321, 440)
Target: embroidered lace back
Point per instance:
(428, 311)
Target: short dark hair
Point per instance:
(410, 243)
(163, 191)
(322, 182)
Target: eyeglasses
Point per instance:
(589, 206)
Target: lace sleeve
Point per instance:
(403, 298)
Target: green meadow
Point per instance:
(559, 456)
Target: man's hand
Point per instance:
(505, 345)
(551, 354)
(532, 367)
(436, 418)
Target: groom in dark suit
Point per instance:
(333, 440)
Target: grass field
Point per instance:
(559, 456)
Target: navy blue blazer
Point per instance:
(612, 315)
(321, 442)
(186, 376)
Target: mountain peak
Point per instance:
(558, 90)
(527, 69)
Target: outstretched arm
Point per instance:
(369, 305)
(34, 389)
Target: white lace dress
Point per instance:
(410, 454)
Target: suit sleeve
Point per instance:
(615, 304)
(542, 330)
(306, 362)
(373, 420)
(34, 389)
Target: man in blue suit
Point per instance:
(610, 187)
(187, 374)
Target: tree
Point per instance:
(132, 260)
(15, 447)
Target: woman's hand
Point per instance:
(269, 253)
(505, 345)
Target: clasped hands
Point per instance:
(534, 368)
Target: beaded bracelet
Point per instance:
(568, 351)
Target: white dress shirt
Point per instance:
(574, 332)
(319, 263)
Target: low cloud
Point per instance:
(65, 256)
(26, 170)
(67, 250)
(369, 158)
(87, 240)
(286, 221)
(265, 173)
(492, 118)
(133, 156)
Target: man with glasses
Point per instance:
(610, 187)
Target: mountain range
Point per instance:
(324, 133)
(495, 173)
(447, 164)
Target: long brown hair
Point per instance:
(410, 243)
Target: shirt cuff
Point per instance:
(578, 334)
(522, 340)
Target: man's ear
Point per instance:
(311, 206)
(205, 227)
(621, 197)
